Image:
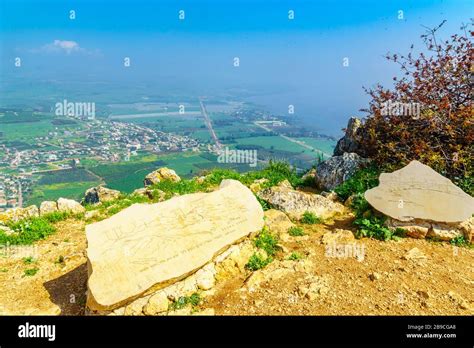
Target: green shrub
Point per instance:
(267, 242)
(296, 231)
(183, 301)
(310, 218)
(276, 172)
(181, 187)
(295, 256)
(28, 260)
(459, 241)
(257, 262)
(265, 205)
(28, 231)
(31, 272)
(57, 216)
(373, 227)
(362, 180)
(215, 177)
(371, 224)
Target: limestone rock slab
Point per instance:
(149, 246)
(418, 192)
(295, 203)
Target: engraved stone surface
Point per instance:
(418, 192)
(149, 246)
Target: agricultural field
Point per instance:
(128, 176)
(53, 192)
(68, 183)
(20, 128)
(325, 145)
(275, 142)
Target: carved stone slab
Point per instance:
(150, 244)
(418, 192)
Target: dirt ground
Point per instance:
(382, 282)
(59, 285)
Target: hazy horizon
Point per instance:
(282, 61)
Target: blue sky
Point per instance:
(283, 61)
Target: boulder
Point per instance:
(318, 286)
(100, 194)
(146, 192)
(310, 177)
(71, 206)
(257, 185)
(146, 247)
(6, 230)
(418, 192)
(157, 303)
(294, 203)
(414, 254)
(338, 236)
(467, 227)
(444, 232)
(349, 142)
(205, 277)
(16, 214)
(161, 174)
(48, 207)
(31, 211)
(337, 169)
(413, 229)
(277, 221)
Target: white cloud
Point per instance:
(62, 46)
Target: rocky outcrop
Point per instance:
(161, 174)
(70, 206)
(48, 207)
(423, 203)
(277, 222)
(149, 246)
(337, 169)
(257, 185)
(98, 194)
(295, 203)
(16, 214)
(349, 143)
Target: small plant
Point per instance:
(57, 216)
(257, 262)
(265, 205)
(29, 260)
(4, 270)
(373, 227)
(459, 241)
(310, 218)
(267, 242)
(60, 260)
(296, 231)
(183, 301)
(194, 299)
(295, 256)
(31, 272)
